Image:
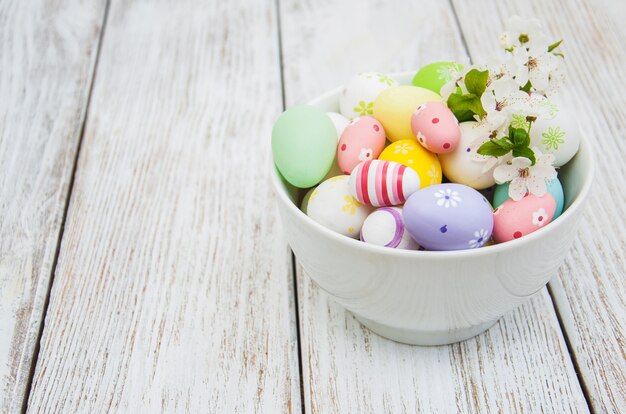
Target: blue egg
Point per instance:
(554, 187)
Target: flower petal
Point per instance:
(536, 186)
(504, 173)
(517, 189)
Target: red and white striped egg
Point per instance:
(362, 140)
(436, 127)
(383, 183)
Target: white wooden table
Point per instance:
(142, 266)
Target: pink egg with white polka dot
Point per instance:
(362, 140)
(514, 219)
(436, 127)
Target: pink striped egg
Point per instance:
(436, 127)
(383, 183)
(362, 140)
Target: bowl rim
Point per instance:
(562, 220)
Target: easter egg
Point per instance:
(464, 165)
(358, 94)
(435, 127)
(409, 153)
(448, 217)
(332, 205)
(394, 108)
(559, 136)
(340, 122)
(383, 183)
(514, 219)
(555, 188)
(385, 227)
(362, 140)
(304, 141)
(305, 200)
(434, 75)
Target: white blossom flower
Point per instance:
(479, 240)
(532, 104)
(520, 31)
(449, 71)
(526, 178)
(556, 78)
(456, 82)
(365, 154)
(447, 198)
(540, 217)
(502, 98)
(534, 64)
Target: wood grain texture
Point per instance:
(172, 291)
(590, 292)
(47, 56)
(521, 364)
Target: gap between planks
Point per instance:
(568, 344)
(68, 198)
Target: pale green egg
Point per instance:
(304, 142)
(434, 75)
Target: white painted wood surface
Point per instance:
(521, 364)
(590, 291)
(47, 56)
(172, 291)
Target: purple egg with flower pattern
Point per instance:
(448, 217)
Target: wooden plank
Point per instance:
(47, 56)
(521, 364)
(590, 293)
(173, 291)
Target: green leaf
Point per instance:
(554, 45)
(525, 152)
(520, 138)
(476, 81)
(526, 88)
(493, 149)
(504, 143)
(464, 107)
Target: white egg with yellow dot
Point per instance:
(332, 205)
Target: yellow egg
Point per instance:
(408, 152)
(394, 107)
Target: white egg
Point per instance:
(385, 227)
(464, 165)
(559, 136)
(332, 206)
(340, 121)
(358, 95)
(305, 200)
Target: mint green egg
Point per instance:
(554, 187)
(304, 142)
(434, 75)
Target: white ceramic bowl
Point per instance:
(432, 298)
